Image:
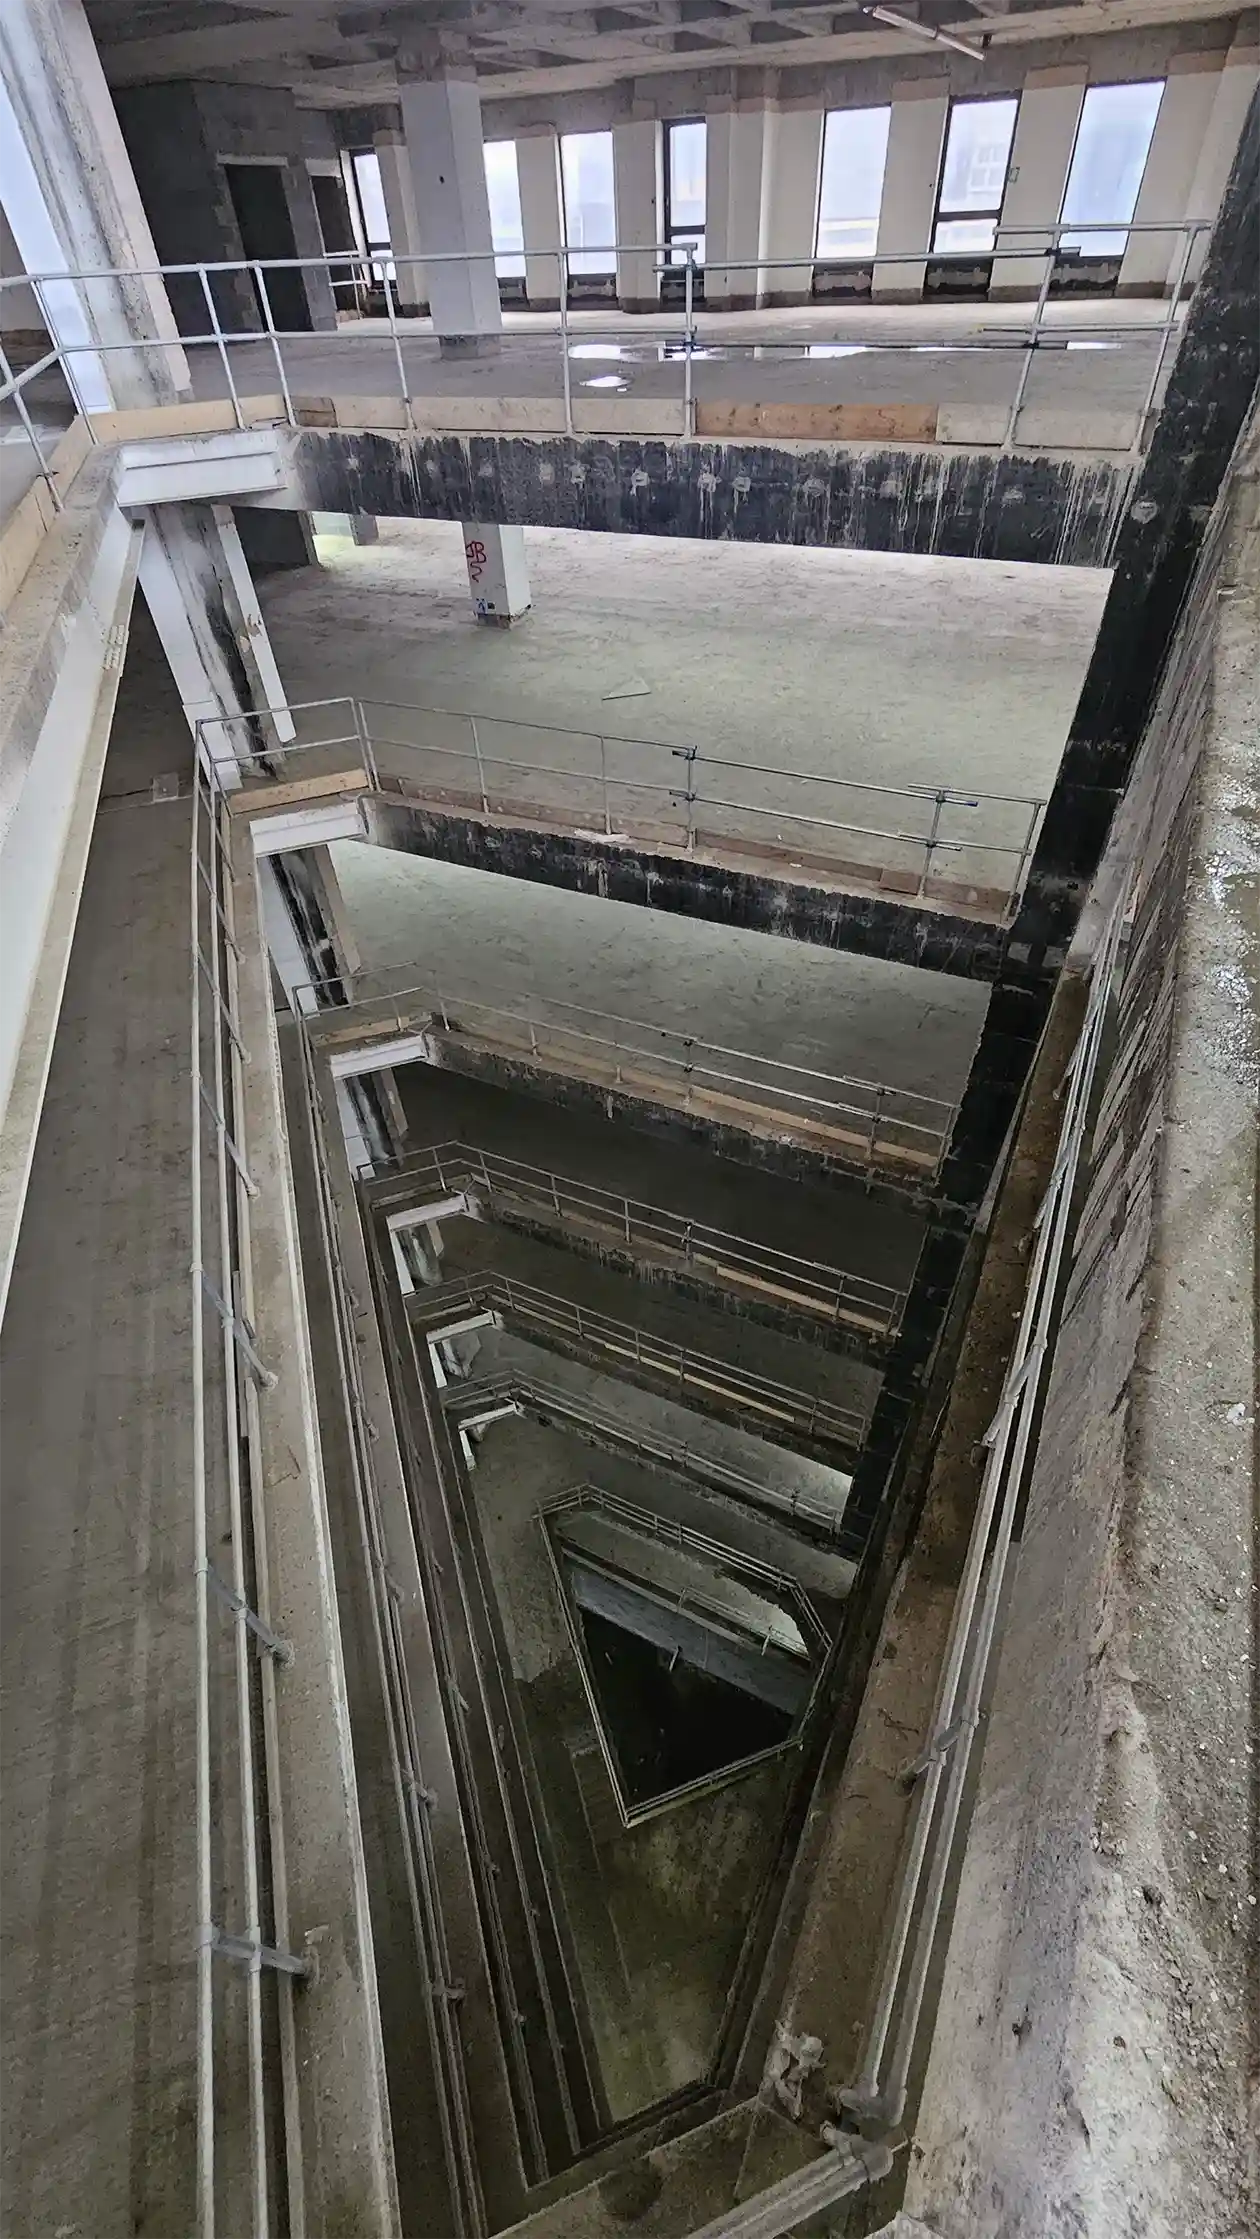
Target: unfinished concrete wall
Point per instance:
(1095, 2035)
(178, 138)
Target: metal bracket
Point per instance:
(248, 1953)
(934, 1750)
(272, 1644)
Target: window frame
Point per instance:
(863, 256)
(962, 217)
(1092, 249)
(672, 233)
(583, 279)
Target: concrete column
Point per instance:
(1230, 104)
(1041, 156)
(639, 209)
(497, 575)
(737, 142)
(792, 205)
(538, 176)
(442, 124)
(1152, 260)
(412, 287)
(916, 139)
(72, 205)
(198, 590)
(445, 150)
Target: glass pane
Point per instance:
(977, 152)
(957, 235)
(586, 168)
(367, 174)
(1112, 144)
(686, 148)
(504, 189)
(855, 149)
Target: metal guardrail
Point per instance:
(860, 1122)
(759, 1403)
(800, 1284)
(527, 1389)
(246, 1967)
(878, 2093)
(237, 290)
(601, 785)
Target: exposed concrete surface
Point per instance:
(841, 1225)
(98, 1659)
(808, 660)
(1094, 2061)
(498, 941)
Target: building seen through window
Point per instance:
(973, 175)
(685, 158)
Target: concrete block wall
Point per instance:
(178, 138)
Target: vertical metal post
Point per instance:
(65, 352)
(689, 331)
(929, 845)
(481, 774)
(6, 374)
(1169, 327)
(566, 374)
(201, 1574)
(260, 283)
(392, 316)
(603, 786)
(1017, 885)
(1043, 294)
(223, 349)
(877, 1113)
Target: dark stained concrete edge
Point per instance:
(975, 505)
(896, 931)
(667, 1125)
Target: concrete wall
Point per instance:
(1093, 2039)
(178, 138)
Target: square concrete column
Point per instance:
(446, 153)
(1230, 104)
(497, 575)
(411, 287)
(639, 211)
(794, 167)
(1153, 260)
(916, 139)
(1041, 156)
(737, 177)
(445, 149)
(538, 177)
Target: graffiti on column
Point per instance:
(475, 554)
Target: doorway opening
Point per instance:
(260, 205)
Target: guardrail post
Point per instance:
(265, 300)
(689, 402)
(934, 833)
(392, 316)
(566, 374)
(481, 773)
(603, 786)
(218, 335)
(1191, 234)
(1043, 293)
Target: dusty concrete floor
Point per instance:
(498, 941)
(864, 665)
(953, 353)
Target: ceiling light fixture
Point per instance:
(926, 31)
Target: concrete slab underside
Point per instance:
(98, 1672)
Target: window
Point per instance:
(685, 156)
(850, 189)
(365, 170)
(586, 171)
(973, 176)
(1113, 141)
(504, 189)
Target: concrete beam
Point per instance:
(865, 924)
(877, 498)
